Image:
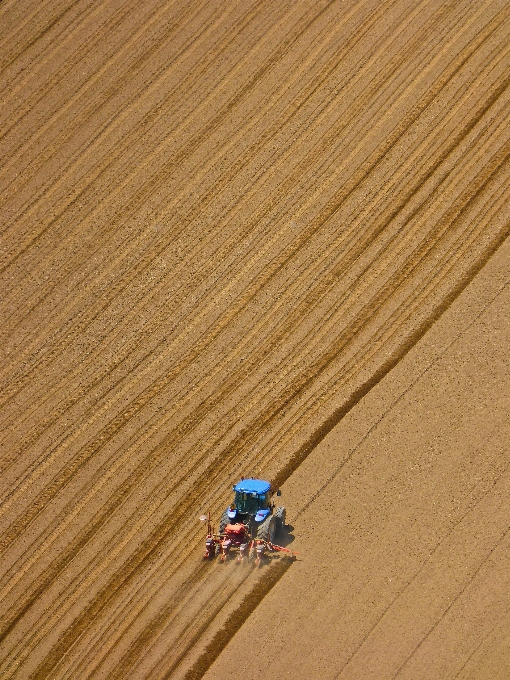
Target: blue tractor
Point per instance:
(253, 507)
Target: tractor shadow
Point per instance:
(285, 538)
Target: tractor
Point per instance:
(253, 507)
(249, 525)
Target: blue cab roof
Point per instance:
(252, 486)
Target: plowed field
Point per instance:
(230, 232)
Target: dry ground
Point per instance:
(401, 517)
(227, 227)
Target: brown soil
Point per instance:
(264, 238)
(401, 519)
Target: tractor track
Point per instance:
(252, 149)
(333, 256)
(141, 265)
(206, 405)
(148, 187)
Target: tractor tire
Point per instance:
(266, 530)
(225, 519)
(279, 516)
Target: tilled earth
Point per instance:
(401, 517)
(231, 233)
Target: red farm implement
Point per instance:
(236, 542)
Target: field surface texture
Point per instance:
(260, 238)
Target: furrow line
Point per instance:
(71, 63)
(100, 102)
(188, 218)
(135, 312)
(108, 127)
(310, 408)
(115, 428)
(148, 162)
(44, 30)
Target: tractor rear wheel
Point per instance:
(225, 519)
(279, 516)
(266, 530)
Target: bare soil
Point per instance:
(401, 518)
(267, 239)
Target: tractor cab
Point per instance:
(251, 500)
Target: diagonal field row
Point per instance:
(411, 582)
(221, 227)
